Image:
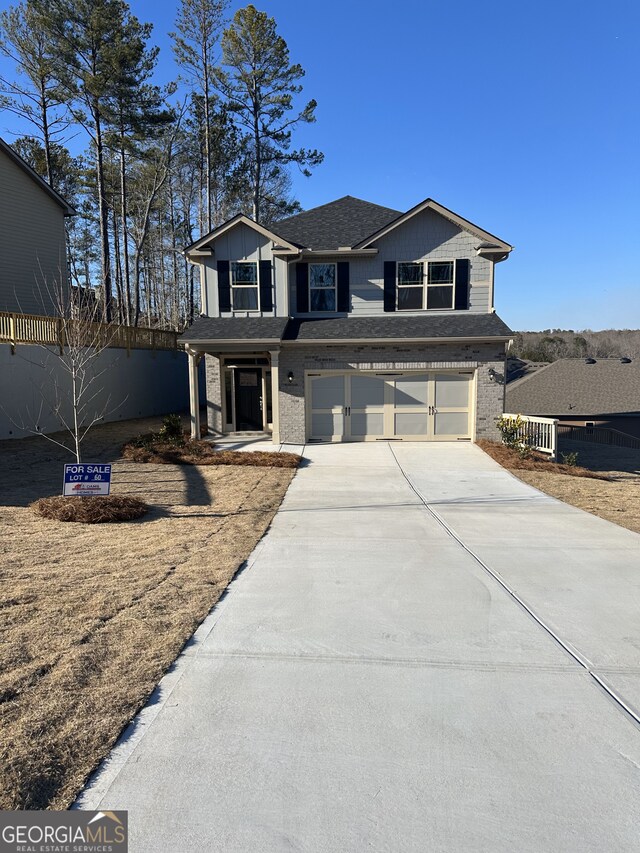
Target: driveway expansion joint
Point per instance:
(628, 710)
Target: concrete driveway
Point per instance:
(423, 654)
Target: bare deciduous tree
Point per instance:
(75, 363)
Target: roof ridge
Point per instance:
(335, 201)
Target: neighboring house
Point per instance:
(587, 392)
(32, 238)
(517, 368)
(350, 321)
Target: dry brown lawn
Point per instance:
(93, 615)
(607, 485)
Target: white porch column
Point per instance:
(275, 396)
(194, 396)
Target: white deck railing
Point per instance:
(539, 433)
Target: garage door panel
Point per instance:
(451, 423)
(413, 406)
(367, 392)
(367, 424)
(328, 392)
(451, 390)
(411, 423)
(411, 391)
(326, 424)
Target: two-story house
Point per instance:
(32, 238)
(350, 322)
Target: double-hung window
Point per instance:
(424, 285)
(440, 284)
(244, 285)
(410, 287)
(322, 287)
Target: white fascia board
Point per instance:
(397, 341)
(240, 219)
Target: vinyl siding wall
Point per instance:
(428, 236)
(243, 244)
(32, 243)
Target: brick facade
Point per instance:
(483, 357)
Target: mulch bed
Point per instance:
(91, 510)
(150, 448)
(509, 458)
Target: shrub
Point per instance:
(171, 429)
(510, 432)
(570, 458)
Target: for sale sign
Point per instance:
(82, 480)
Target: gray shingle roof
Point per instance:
(344, 222)
(393, 326)
(235, 328)
(346, 328)
(572, 387)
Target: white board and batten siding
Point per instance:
(32, 243)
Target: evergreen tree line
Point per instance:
(552, 344)
(163, 164)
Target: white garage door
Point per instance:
(369, 406)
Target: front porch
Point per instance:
(242, 393)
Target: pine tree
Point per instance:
(34, 96)
(258, 84)
(198, 27)
(90, 40)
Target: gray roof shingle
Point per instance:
(572, 387)
(235, 328)
(344, 222)
(392, 327)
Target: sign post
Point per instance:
(82, 480)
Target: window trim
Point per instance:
(425, 284)
(245, 286)
(335, 286)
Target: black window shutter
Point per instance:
(224, 287)
(463, 268)
(343, 286)
(302, 288)
(266, 289)
(389, 285)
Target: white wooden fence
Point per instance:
(539, 433)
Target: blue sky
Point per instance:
(524, 118)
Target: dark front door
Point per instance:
(248, 399)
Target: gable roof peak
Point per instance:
(13, 155)
(430, 204)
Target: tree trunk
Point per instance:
(175, 295)
(46, 139)
(125, 231)
(118, 267)
(105, 252)
(257, 170)
(207, 132)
